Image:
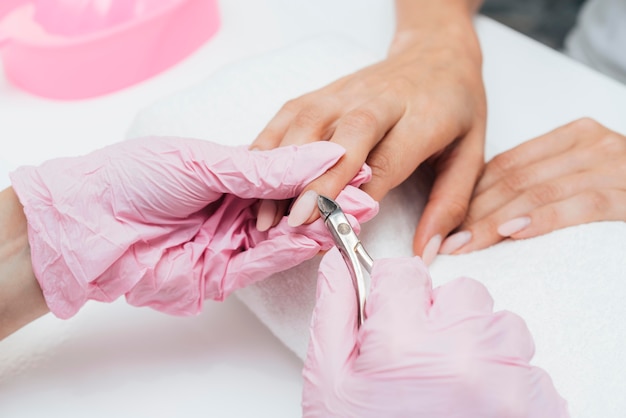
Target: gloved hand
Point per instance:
(169, 222)
(420, 352)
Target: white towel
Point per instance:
(569, 285)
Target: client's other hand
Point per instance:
(420, 352)
(169, 222)
(573, 175)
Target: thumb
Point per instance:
(396, 310)
(333, 324)
(280, 173)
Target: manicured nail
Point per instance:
(267, 213)
(455, 241)
(514, 225)
(431, 249)
(302, 209)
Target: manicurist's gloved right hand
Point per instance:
(420, 352)
(169, 222)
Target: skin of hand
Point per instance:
(21, 300)
(420, 352)
(572, 175)
(425, 103)
(168, 222)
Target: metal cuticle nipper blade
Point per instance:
(350, 247)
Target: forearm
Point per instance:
(433, 20)
(21, 300)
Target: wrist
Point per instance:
(21, 300)
(419, 13)
(444, 24)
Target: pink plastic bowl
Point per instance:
(88, 64)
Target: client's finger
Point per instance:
(589, 206)
(449, 198)
(551, 144)
(358, 132)
(572, 200)
(518, 180)
(272, 135)
(314, 122)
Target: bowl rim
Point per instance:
(52, 40)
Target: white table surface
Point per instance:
(115, 360)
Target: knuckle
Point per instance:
(308, 118)
(516, 182)
(598, 201)
(545, 193)
(620, 167)
(475, 211)
(585, 124)
(361, 119)
(383, 164)
(490, 225)
(612, 144)
(457, 209)
(267, 137)
(362, 83)
(292, 106)
(400, 86)
(334, 180)
(470, 217)
(550, 215)
(502, 163)
(454, 207)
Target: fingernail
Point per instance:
(267, 213)
(455, 241)
(431, 249)
(302, 209)
(514, 225)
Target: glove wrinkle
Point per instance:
(169, 222)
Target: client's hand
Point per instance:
(575, 174)
(424, 103)
(168, 222)
(420, 352)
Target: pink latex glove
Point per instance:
(169, 222)
(420, 352)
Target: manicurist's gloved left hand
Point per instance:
(169, 222)
(421, 352)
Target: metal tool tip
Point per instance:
(326, 205)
